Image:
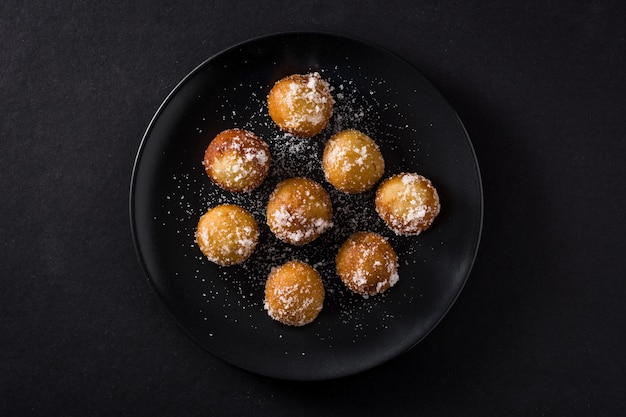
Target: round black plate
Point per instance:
(221, 308)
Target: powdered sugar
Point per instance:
(292, 301)
(285, 221)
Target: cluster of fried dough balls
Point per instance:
(299, 210)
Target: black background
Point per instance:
(540, 326)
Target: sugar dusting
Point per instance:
(314, 99)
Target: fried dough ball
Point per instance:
(299, 211)
(227, 234)
(367, 264)
(237, 160)
(294, 293)
(408, 203)
(301, 104)
(352, 161)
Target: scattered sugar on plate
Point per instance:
(291, 156)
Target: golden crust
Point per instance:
(408, 203)
(294, 293)
(299, 211)
(237, 160)
(352, 161)
(227, 234)
(301, 104)
(367, 264)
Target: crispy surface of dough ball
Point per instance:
(227, 234)
(294, 293)
(237, 160)
(301, 104)
(367, 264)
(408, 203)
(352, 161)
(299, 210)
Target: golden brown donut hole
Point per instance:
(367, 264)
(299, 211)
(301, 104)
(294, 293)
(237, 160)
(408, 203)
(227, 234)
(352, 161)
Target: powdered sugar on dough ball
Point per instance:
(227, 234)
(294, 293)
(237, 160)
(367, 264)
(299, 211)
(301, 104)
(352, 161)
(408, 203)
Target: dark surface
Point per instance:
(539, 327)
(222, 308)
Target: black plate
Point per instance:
(221, 308)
